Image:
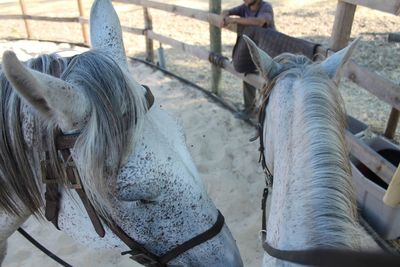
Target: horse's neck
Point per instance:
(312, 202)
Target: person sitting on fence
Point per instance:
(250, 13)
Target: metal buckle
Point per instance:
(67, 165)
(77, 183)
(70, 165)
(43, 169)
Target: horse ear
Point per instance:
(264, 63)
(52, 97)
(334, 64)
(105, 31)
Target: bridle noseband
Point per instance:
(63, 144)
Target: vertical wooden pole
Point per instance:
(83, 25)
(148, 25)
(23, 10)
(342, 26)
(392, 123)
(215, 45)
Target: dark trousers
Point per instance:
(249, 96)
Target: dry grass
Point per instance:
(311, 20)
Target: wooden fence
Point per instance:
(379, 86)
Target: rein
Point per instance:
(325, 257)
(63, 144)
(321, 257)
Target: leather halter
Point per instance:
(321, 257)
(63, 144)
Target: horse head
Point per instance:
(312, 203)
(131, 156)
(285, 69)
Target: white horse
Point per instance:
(313, 203)
(132, 161)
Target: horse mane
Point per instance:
(20, 187)
(105, 141)
(329, 195)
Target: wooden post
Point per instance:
(215, 45)
(392, 123)
(23, 10)
(83, 25)
(148, 26)
(342, 26)
(392, 195)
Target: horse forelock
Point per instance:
(117, 110)
(329, 202)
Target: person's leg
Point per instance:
(249, 97)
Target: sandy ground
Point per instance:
(218, 142)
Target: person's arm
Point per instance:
(265, 18)
(266, 14)
(246, 21)
(236, 11)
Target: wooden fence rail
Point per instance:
(377, 85)
(389, 6)
(369, 157)
(210, 18)
(341, 32)
(204, 54)
(41, 18)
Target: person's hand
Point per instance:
(222, 22)
(229, 20)
(225, 14)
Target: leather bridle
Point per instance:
(63, 144)
(322, 257)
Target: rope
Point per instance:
(42, 248)
(217, 59)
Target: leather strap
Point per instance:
(197, 240)
(334, 257)
(326, 257)
(74, 179)
(149, 96)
